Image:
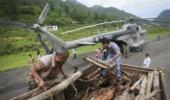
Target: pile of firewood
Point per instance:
(135, 85)
(147, 87)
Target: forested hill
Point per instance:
(164, 14)
(164, 17)
(120, 14)
(61, 13)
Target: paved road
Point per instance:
(13, 82)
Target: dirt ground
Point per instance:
(14, 82)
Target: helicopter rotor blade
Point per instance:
(119, 21)
(41, 18)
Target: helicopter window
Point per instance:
(128, 28)
(137, 28)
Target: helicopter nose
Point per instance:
(35, 26)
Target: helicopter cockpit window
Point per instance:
(128, 28)
(137, 28)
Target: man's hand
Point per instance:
(41, 84)
(66, 76)
(110, 62)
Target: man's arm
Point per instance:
(97, 55)
(62, 72)
(34, 71)
(116, 55)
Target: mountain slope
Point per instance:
(164, 14)
(61, 13)
(120, 14)
(164, 18)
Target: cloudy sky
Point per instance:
(141, 8)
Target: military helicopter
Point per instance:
(130, 34)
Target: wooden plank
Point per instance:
(149, 83)
(36, 91)
(137, 83)
(143, 86)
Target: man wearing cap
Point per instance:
(49, 66)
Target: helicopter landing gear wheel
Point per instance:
(142, 48)
(126, 50)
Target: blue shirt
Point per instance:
(114, 52)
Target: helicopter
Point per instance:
(131, 35)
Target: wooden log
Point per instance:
(136, 90)
(140, 97)
(92, 79)
(149, 83)
(36, 91)
(124, 66)
(137, 83)
(101, 64)
(143, 86)
(125, 95)
(142, 89)
(148, 96)
(137, 67)
(95, 62)
(93, 73)
(156, 84)
(105, 94)
(58, 88)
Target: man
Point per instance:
(147, 60)
(38, 55)
(74, 53)
(113, 54)
(31, 61)
(49, 66)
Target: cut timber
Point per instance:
(156, 84)
(125, 95)
(95, 62)
(156, 80)
(105, 94)
(93, 73)
(148, 96)
(149, 83)
(142, 89)
(143, 86)
(58, 88)
(137, 83)
(136, 90)
(140, 97)
(137, 67)
(36, 91)
(101, 64)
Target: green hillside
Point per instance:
(165, 18)
(61, 13)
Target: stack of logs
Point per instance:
(147, 87)
(135, 85)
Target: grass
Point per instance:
(153, 32)
(19, 60)
(13, 61)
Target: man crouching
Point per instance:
(48, 67)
